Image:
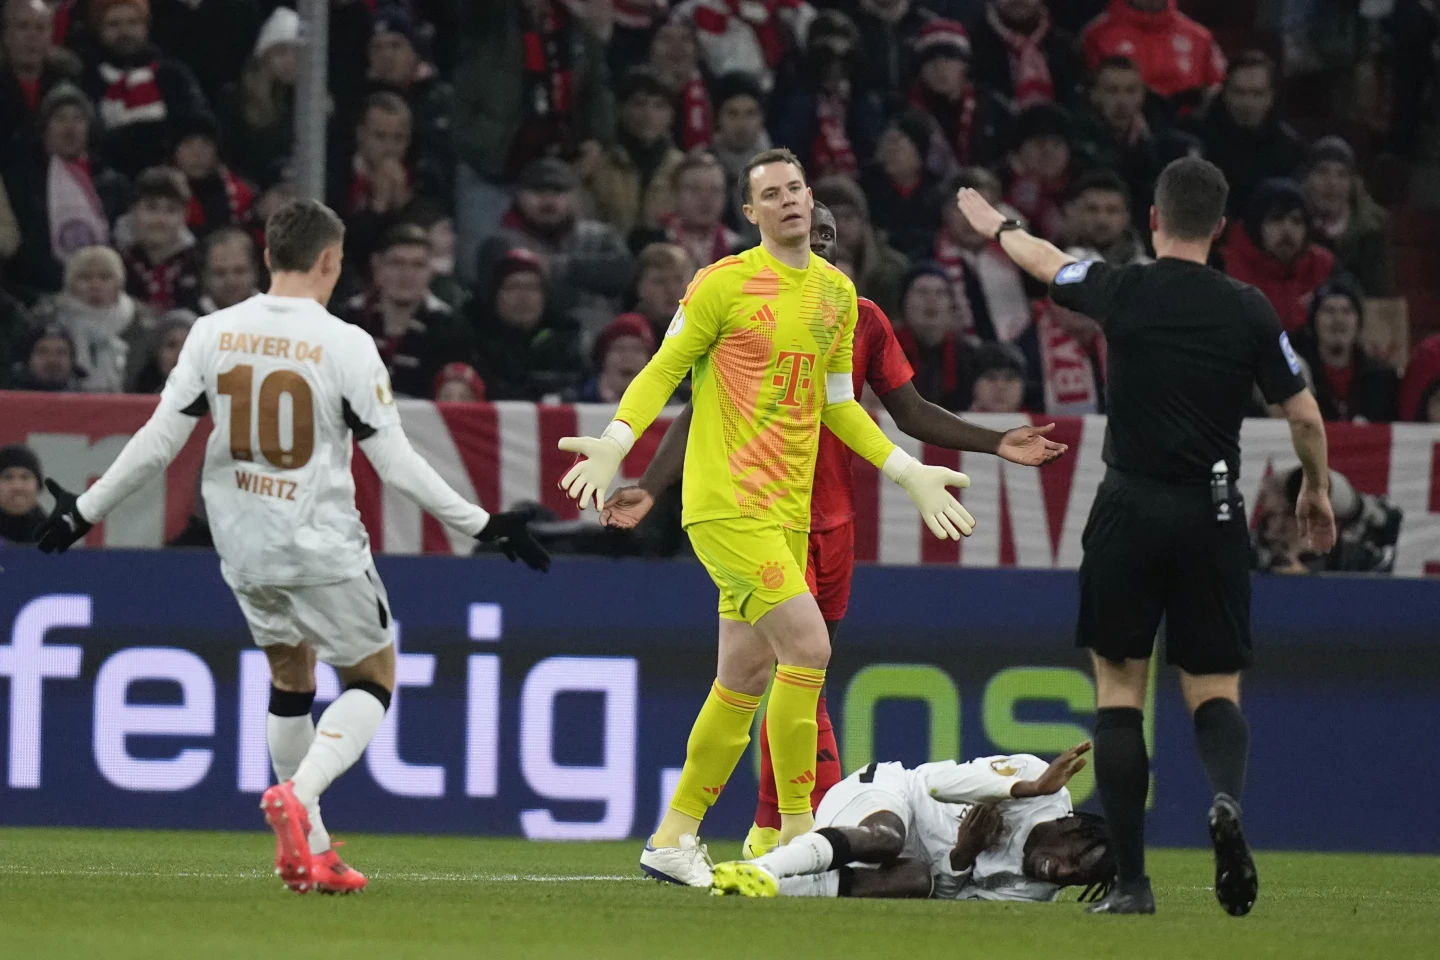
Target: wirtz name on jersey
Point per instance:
(265, 486)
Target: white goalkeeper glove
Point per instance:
(599, 461)
(926, 485)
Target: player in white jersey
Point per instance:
(996, 828)
(289, 385)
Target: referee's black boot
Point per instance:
(1129, 896)
(1236, 882)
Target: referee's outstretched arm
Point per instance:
(1039, 258)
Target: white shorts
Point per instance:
(863, 794)
(342, 622)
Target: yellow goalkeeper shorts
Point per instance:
(757, 564)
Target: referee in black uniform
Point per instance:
(1167, 534)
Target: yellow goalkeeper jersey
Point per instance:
(760, 338)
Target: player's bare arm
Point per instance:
(1039, 258)
(928, 423)
(1056, 776)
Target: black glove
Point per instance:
(64, 526)
(510, 532)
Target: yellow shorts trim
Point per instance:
(757, 564)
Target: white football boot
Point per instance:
(688, 865)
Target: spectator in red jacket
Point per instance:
(1272, 250)
(1179, 59)
(1349, 383)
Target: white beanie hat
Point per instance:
(282, 27)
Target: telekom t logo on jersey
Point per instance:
(793, 371)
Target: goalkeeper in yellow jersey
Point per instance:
(767, 336)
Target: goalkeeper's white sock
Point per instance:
(341, 736)
(806, 854)
(289, 738)
(825, 884)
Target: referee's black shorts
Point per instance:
(1151, 550)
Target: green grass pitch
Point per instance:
(131, 894)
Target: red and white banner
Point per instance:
(503, 454)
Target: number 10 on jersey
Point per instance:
(238, 383)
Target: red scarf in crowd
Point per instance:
(548, 86)
(949, 372)
(359, 197)
(1028, 66)
(131, 96)
(239, 197)
(956, 120)
(949, 255)
(696, 123)
(1038, 201)
(161, 281)
(704, 246)
(1067, 367)
(834, 155)
(758, 15)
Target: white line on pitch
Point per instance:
(17, 870)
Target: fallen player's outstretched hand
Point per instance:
(510, 534)
(626, 508)
(1056, 775)
(65, 525)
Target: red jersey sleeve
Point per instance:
(886, 368)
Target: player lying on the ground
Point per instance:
(996, 828)
(281, 500)
(880, 363)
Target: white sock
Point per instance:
(807, 853)
(289, 739)
(341, 736)
(825, 884)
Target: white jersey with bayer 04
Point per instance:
(287, 385)
(935, 798)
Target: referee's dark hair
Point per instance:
(297, 233)
(1190, 198)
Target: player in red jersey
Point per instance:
(881, 363)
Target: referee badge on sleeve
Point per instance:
(1289, 352)
(1073, 272)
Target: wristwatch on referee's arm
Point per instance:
(1009, 223)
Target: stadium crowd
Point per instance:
(529, 185)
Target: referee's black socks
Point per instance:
(1122, 775)
(1222, 738)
